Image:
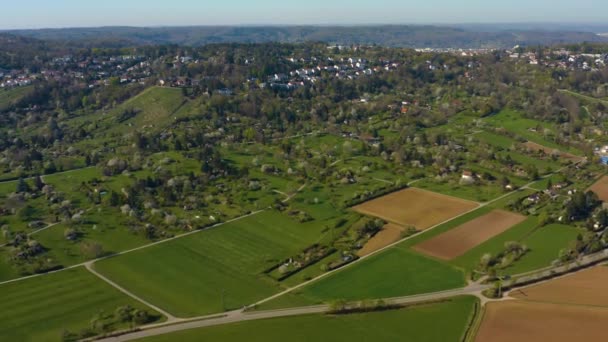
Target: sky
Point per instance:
(93, 13)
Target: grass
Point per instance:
(214, 270)
(11, 96)
(544, 245)
(395, 272)
(444, 321)
(476, 193)
(41, 308)
(514, 122)
(105, 227)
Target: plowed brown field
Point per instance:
(523, 321)
(601, 188)
(459, 240)
(390, 233)
(586, 287)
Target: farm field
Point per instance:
(390, 233)
(415, 207)
(526, 321)
(601, 188)
(459, 240)
(395, 272)
(214, 270)
(586, 287)
(41, 308)
(437, 322)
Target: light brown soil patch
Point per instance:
(416, 207)
(588, 287)
(461, 239)
(390, 233)
(601, 188)
(526, 321)
(548, 150)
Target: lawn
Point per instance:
(445, 321)
(396, 272)
(41, 308)
(214, 270)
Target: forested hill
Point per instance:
(391, 36)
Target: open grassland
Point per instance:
(153, 106)
(415, 207)
(395, 272)
(459, 240)
(601, 188)
(41, 308)
(437, 322)
(390, 233)
(526, 321)
(586, 287)
(214, 270)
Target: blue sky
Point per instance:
(75, 13)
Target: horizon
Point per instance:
(39, 14)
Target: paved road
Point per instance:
(241, 316)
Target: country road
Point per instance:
(241, 316)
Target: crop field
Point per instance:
(390, 233)
(529, 321)
(437, 322)
(601, 188)
(395, 272)
(41, 308)
(586, 287)
(415, 207)
(459, 240)
(216, 269)
(547, 150)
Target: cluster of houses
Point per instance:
(89, 70)
(324, 68)
(563, 59)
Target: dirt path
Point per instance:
(170, 317)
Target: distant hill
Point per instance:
(387, 35)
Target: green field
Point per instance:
(11, 96)
(396, 272)
(514, 122)
(439, 322)
(41, 308)
(545, 245)
(213, 270)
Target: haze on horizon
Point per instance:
(27, 14)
